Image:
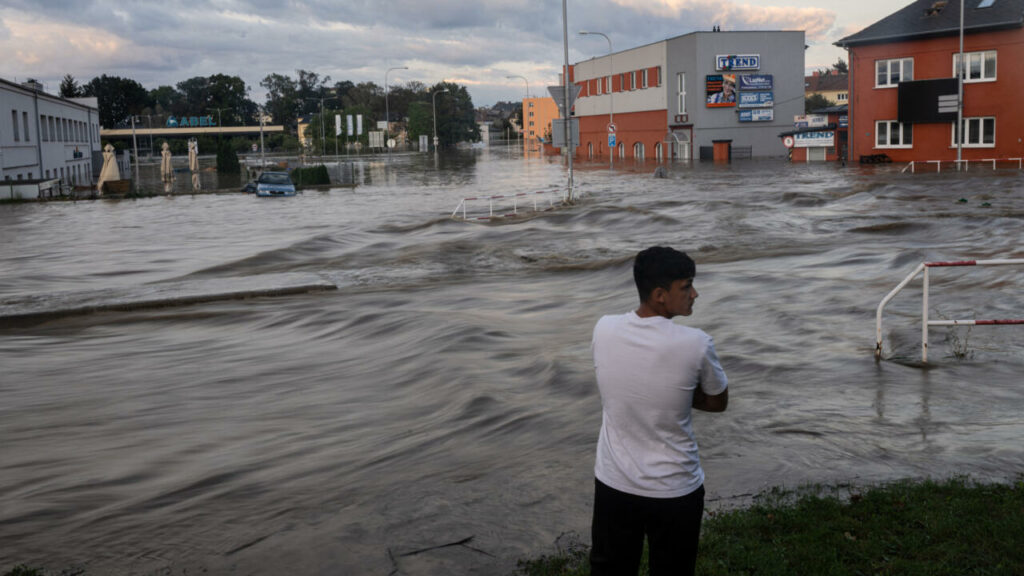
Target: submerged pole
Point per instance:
(568, 112)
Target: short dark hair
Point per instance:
(658, 267)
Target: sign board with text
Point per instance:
(810, 121)
(825, 138)
(757, 115)
(738, 62)
(756, 82)
(756, 100)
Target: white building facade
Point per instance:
(45, 137)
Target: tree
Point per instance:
(421, 120)
(69, 87)
(309, 91)
(456, 118)
(816, 102)
(166, 100)
(840, 67)
(227, 159)
(119, 98)
(282, 98)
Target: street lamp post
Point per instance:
(387, 109)
(323, 136)
(149, 123)
(611, 91)
(527, 97)
(434, 101)
(219, 126)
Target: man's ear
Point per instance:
(658, 295)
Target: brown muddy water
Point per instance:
(444, 391)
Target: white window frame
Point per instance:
(980, 59)
(643, 78)
(681, 92)
(600, 85)
(608, 84)
(974, 128)
(903, 133)
(14, 124)
(900, 65)
(632, 80)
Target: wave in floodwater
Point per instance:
(432, 410)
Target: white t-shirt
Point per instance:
(647, 371)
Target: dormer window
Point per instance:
(986, 3)
(935, 8)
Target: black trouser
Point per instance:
(672, 527)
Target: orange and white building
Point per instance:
(537, 116)
(678, 98)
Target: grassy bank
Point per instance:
(905, 528)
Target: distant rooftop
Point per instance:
(934, 18)
(826, 82)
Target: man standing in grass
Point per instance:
(651, 372)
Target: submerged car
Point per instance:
(275, 184)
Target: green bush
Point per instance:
(227, 159)
(311, 176)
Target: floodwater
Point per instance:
(436, 413)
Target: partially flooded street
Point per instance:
(444, 391)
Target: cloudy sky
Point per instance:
(477, 43)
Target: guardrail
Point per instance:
(503, 200)
(925, 323)
(957, 163)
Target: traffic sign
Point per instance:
(788, 142)
(611, 128)
(611, 140)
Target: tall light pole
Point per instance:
(262, 120)
(219, 126)
(960, 93)
(149, 122)
(434, 99)
(527, 96)
(387, 109)
(323, 136)
(611, 101)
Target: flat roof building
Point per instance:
(43, 136)
(675, 98)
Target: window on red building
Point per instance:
(978, 132)
(893, 134)
(981, 66)
(892, 72)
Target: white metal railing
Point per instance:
(912, 166)
(504, 199)
(925, 323)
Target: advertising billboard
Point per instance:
(756, 100)
(720, 90)
(756, 82)
(815, 139)
(757, 115)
